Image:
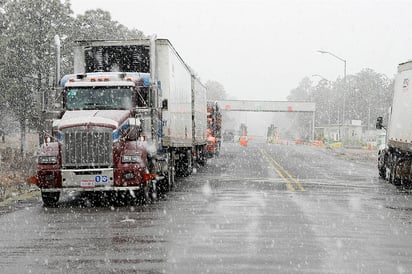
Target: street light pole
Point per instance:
(344, 80)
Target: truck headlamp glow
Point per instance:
(47, 160)
(131, 158)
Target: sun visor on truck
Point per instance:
(132, 58)
(111, 75)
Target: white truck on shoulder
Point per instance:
(395, 158)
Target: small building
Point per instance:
(349, 133)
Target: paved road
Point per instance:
(259, 209)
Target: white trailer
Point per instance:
(175, 121)
(168, 72)
(395, 159)
(199, 128)
(176, 85)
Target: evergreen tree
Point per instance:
(363, 96)
(215, 91)
(29, 59)
(98, 25)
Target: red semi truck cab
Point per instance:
(99, 142)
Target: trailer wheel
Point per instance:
(382, 172)
(392, 177)
(171, 178)
(382, 169)
(382, 164)
(165, 185)
(202, 157)
(50, 199)
(184, 165)
(168, 182)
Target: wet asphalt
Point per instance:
(257, 209)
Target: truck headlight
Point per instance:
(47, 160)
(131, 159)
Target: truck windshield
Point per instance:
(99, 98)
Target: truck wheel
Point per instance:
(149, 192)
(188, 165)
(392, 177)
(145, 193)
(153, 191)
(50, 199)
(164, 185)
(202, 156)
(171, 178)
(381, 165)
(184, 165)
(382, 172)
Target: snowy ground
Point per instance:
(356, 154)
(256, 209)
(15, 169)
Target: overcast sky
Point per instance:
(262, 49)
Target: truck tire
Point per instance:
(165, 185)
(171, 177)
(392, 177)
(50, 199)
(382, 165)
(188, 164)
(382, 172)
(150, 192)
(153, 191)
(145, 193)
(184, 164)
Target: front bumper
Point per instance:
(87, 178)
(95, 189)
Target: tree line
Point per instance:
(27, 52)
(363, 96)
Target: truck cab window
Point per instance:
(99, 98)
(143, 98)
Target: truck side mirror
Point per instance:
(164, 104)
(379, 123)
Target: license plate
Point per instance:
(87, 183)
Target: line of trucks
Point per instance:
(131, 118)
(395, 157)
(214, 129)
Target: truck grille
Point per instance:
(92, 147)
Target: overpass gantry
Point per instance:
(270, 106)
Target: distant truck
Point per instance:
(272, 134)
(133, 115)
(243, 137)
(228, 136)
(395, 158)
(243, 130)
(214, 129)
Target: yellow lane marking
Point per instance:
(270, 159)
(279, 169)
(290, 176)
